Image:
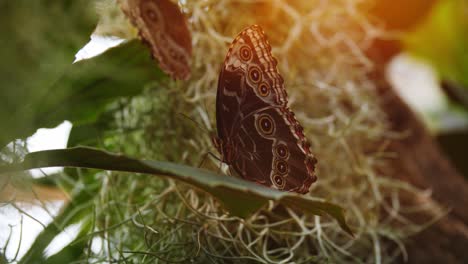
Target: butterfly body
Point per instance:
(258, 135)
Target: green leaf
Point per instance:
(240, 197)
(84, 91)
(93, 133)
(76, 248)
(88, 134)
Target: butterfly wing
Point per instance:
(163, 27)
(261, 138)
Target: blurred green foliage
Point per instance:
(39, 40)
(442, 40)
(79, 210)
(88, 86)
(40, 85)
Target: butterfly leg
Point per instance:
(202, 160)
(209, 153)
(230, 171)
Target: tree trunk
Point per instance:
(422, 163)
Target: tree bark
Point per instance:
(422, 163)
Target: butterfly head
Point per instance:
(225, 148)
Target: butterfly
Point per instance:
(257, 134)
(164, 28)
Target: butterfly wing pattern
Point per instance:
(258, 135)
(164, 28)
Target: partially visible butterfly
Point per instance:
(258, 136)
(162, 25)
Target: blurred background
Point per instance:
(74, 73)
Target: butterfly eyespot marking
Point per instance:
(282, 151)
(282, 167)
(255, 75)
(245, 53)
(265, 124)
(263, 89)
(149, 10)
(152, 15)
(278, 181)
(276, 140)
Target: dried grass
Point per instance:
(320, 49)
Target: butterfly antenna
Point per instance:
(205, 107)
(195, 123)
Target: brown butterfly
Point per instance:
(162, 25)
(258, 136)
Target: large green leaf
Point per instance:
(87, 87)
(240, 197)
(91, 133)
(84, 91)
